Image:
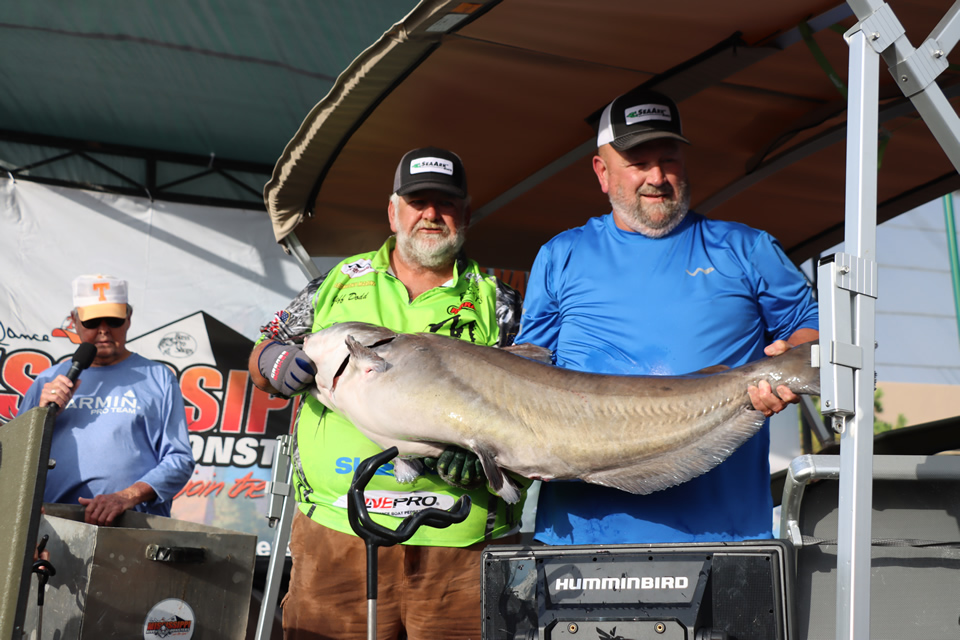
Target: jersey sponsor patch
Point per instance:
(277, 328)
(455, 309)
(351, 285)
(644, 112)
(700, 270)
(357, 269)
(400, 503)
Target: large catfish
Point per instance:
(422, 392)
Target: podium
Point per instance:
(145, 577)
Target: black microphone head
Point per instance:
(84, 355)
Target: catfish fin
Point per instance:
(365, 358)
(501, 484)
(531, 352)
(407, 469)
(686, 463)
(509, 492)
(717, 368)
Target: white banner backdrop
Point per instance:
(201, 281)
(176, 257)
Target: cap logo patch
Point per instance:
(644, 112)
(101, 288)
(431, 165)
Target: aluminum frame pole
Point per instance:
(916, 69)
(282, 502)
(879, 32)
(857, 275)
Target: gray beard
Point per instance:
(652, 220)
(430, 252)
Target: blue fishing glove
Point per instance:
(287, 368)
(458, 467)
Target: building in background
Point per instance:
(918, 335)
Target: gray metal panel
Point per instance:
(914, 590)
(914, 593)
(106, 585)
(24, 442)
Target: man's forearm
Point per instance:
(138, 492)
(801, 336)
(253, 364)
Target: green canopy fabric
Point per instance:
(191, 84)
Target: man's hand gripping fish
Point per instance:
(423, 392)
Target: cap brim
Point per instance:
(438, 186)
(631, 140)
(106, 310)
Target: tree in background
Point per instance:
(879, 426)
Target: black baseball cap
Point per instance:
(639, 116)
(430, 168)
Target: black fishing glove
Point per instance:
(458, 467)
(287, 368)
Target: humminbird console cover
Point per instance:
(703, 591)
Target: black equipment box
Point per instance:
(696, 591)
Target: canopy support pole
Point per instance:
(847, 292)
(292, 244)
(848, 281)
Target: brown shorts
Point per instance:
(430, 592)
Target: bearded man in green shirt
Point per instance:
(418, 281)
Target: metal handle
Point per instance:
(366, 528)
(186, 555)
(376, 535)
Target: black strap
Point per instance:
(886, 542)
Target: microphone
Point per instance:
(82, 358)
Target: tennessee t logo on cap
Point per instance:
(100, 296)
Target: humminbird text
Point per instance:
(620, 584)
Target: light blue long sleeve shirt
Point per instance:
(126, 423)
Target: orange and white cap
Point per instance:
(100, 296)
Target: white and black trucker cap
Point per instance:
(430, 168)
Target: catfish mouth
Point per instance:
(336, 376)
(346, 361)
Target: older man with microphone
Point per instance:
(120, 439)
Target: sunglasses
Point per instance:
(93, 323)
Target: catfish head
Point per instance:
(331, 349)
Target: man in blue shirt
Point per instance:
(120, 438)
(655, 289)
